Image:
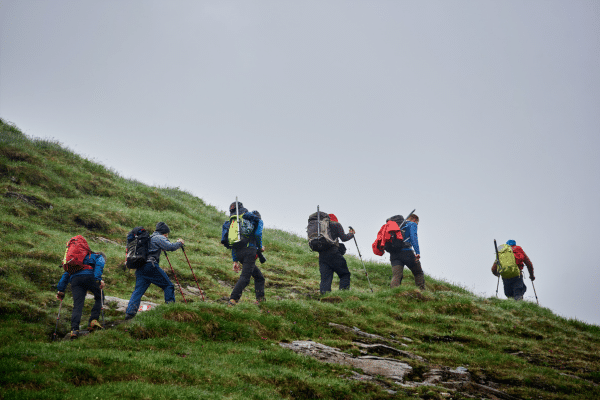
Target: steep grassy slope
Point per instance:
(208, 350)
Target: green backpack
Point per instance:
(508, 267)
(236, 240)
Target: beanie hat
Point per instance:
(333, 218)
(232, 206)
(162, 228)
(511, 243)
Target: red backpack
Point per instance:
(77, 250)
(519, 255)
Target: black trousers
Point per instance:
(80, 286)
(330, 262)
(247, 256)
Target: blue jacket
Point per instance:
(411, 236)
(257, 242)
(159, 242)
(94, 260)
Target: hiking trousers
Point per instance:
(514, 287)
(402, 259)
(330, 262)
(247, 256)
(144, 276)
(79, 287)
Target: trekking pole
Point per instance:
(237, 214)
(176, 280)
(407, 217)
(536, 299)
(56, 327)
(318, 222)
(188, 260)
(102, 309)
(404, 222)
(497, 266)
(361, 260)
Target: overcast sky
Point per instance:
(482, 115)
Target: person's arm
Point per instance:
(164, 244)
(99, 263)
(414, 238)
(338, 232)
(258, 234)
(529, 264)
(62, 285)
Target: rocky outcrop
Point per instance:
(396, 367)
(387, 367)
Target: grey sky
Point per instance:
(482, 115)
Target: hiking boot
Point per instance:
(74, 335)
(261, 300)
(129, 316)
(232, 303)
(94, 325)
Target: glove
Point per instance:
(532, 278)
(60, 296)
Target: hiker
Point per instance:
(514, 287)
(332, 259)
(87, 278)
(244, 253)
(404, 252)
(151, 272)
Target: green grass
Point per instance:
(207, 350)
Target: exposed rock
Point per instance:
(370, 365)
(358, 332)
(119, 304)
(105, 240)
(373, 367)
(383, 349)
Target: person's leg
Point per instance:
(259, 283)
(78, 290)
(519, 288)
(417, 271)
(339, 265)
(160, 278)
(94, 287)
(247, 257)
(141, 285)
(326, 273)
(397, 275)
(397, 269)
(508, 287)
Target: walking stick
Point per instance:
(497, 266)
(536, 299)
(102, 309)
(56, 327)
(497, 285)
(176, 280)
(361, 260)
(188, 260)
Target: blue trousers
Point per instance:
(144, 276)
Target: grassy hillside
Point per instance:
(208, 350)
